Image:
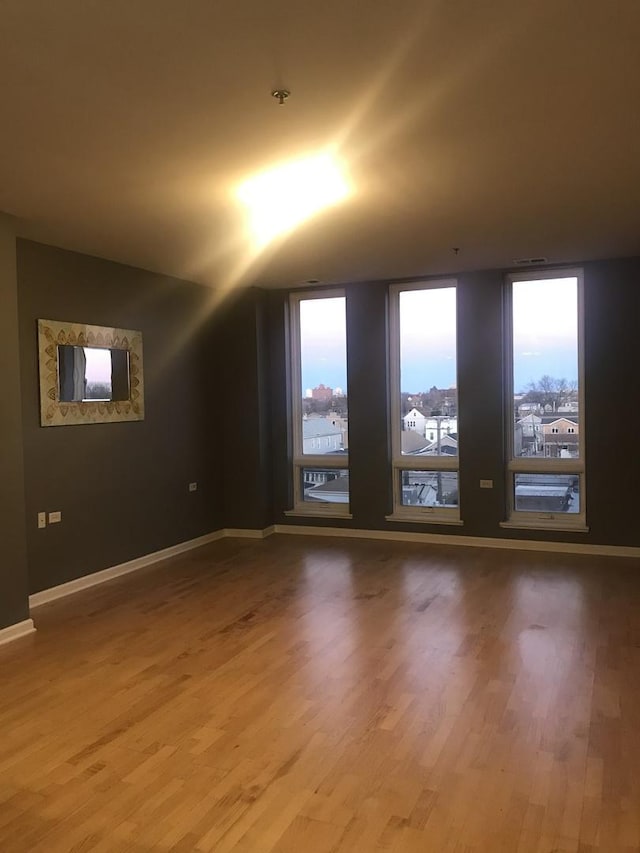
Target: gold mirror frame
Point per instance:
(51, 334)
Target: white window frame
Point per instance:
(399, 463)
(574, 522)
(302, 460)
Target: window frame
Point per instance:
(300, 460)
(576, 522)
(400, 463)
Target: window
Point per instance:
(319, 403)
(546, 484)
(423, 372)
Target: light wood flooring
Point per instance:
(305, 695)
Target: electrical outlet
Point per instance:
(486, 484)
(55, 517)
(193, 487)
(42, 520)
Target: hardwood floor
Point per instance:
(303, 694)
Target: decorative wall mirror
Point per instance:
(89, 374)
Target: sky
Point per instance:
(545, 330)
(323, 336)
(427, 339)
(545, 323)
(98, 367)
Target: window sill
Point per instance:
(539, 524)
(318, 513)
(412, 518)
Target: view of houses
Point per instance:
(546, 425)
(429, 428)
(548, 435)
(325, 431)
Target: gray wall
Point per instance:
(612, 386)
(121, 488)
(243, 401)
(217, 404)
(13, 556)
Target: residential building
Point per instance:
(321, 435)
(322, 393)
(411, 441)
(560, 437)
(529, 435)
(414, 421)
(446, 445)
(439, 426)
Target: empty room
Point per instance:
(315, 320)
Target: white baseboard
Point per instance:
(14, 632)
(248, 533)
(463, 541)
(87, 581)
(96, 578)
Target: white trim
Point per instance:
(468, 541)
(420, 516)
(541, 465)
(69, 588)
(411, 462)
(14, 632)
(247, 532)
(322, 460)
(319, 511)
(555, 522)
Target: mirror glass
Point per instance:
(92, 373)
(89, 374)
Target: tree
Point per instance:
(551, 392)
(98, 391)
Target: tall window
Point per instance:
(319, 403)
(424, 402)
(546, 449)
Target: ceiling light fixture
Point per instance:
(281, 95)
(281, 198)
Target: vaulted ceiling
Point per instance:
(506, 129)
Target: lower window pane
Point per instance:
(325, 485)
(429, 488)
(547, 492)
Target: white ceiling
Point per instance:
(507, 128)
